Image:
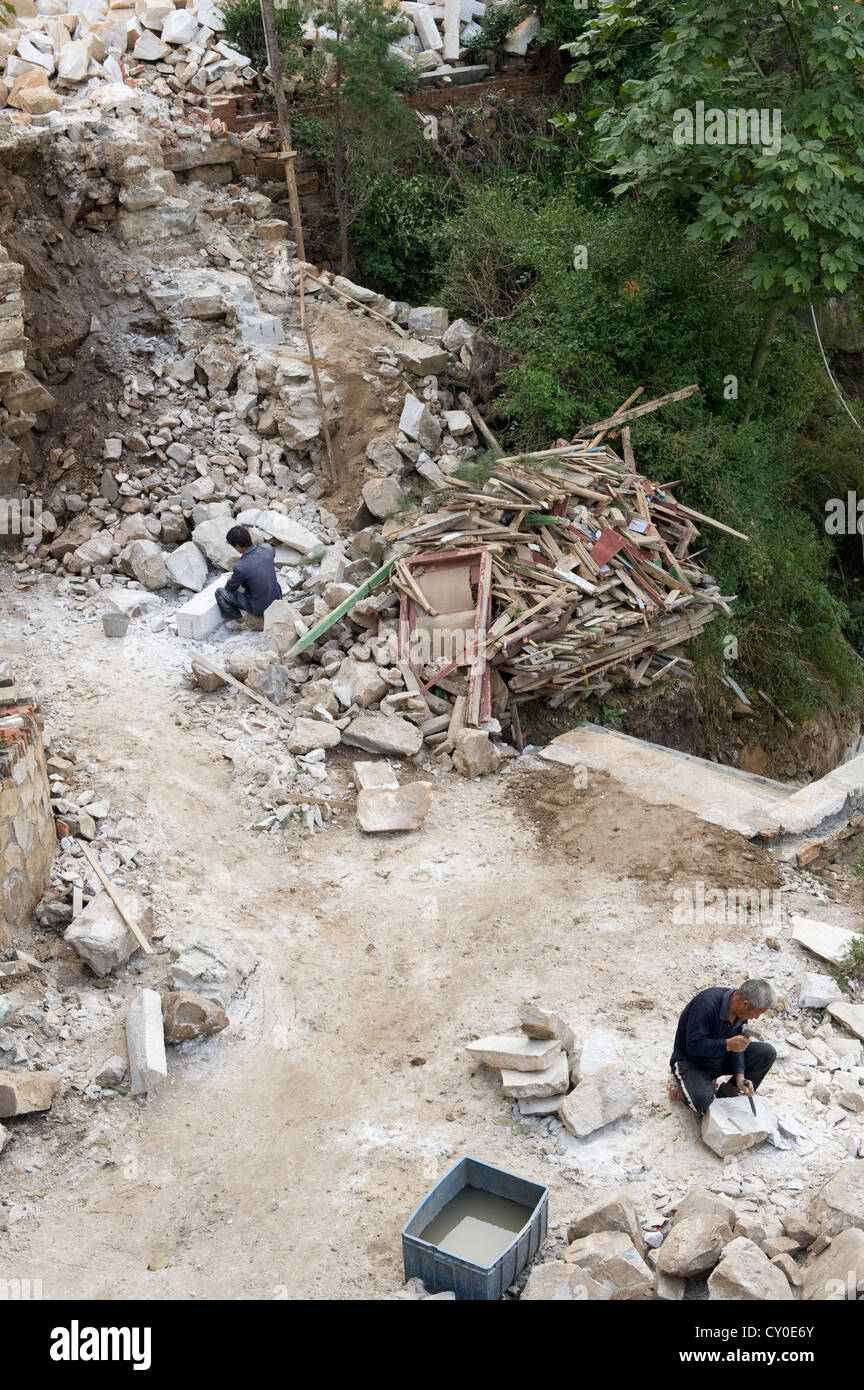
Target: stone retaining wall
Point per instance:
(27, 835)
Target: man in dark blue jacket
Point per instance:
(253, 585)
(710, 1043)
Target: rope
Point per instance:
(828, 370)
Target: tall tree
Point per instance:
(773, 158)
(370, 129)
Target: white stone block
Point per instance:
(145, 1040)
(197, 618)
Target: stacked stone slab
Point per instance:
(27, 836)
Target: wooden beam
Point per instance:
(274, 64)
(637, 411)
(319, 394)
(325, 284)
(244, 690)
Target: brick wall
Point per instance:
(27, 835)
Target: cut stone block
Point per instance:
(596, 1102)
(851, 1016)
(540, 1023)
(746, 1274)
(386, 811)
(145, 1041)
(423, 359)
(384, 733)
(534, 1085)
(730, 1127)
(22, 1092)
(540, 1105)
(823, 939)
(200, 615)
(418, 422)
(101, 937)
(517, 1053)
(285, 530)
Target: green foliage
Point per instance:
(801, 200)
(311, 134)
(850, 971)
(244, 29)
(401, 237)
(495, 25)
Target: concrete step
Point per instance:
(715, 793)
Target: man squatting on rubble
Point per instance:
(709, 1035)
(253, 585)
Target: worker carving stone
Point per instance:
(710, 1044)
(253, 585)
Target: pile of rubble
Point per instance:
(51, 55)
(609, 1252)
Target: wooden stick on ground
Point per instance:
(244, 690)
(637, 411)
(470, 408)
(115, 897)
(319, 394)
(397, 328)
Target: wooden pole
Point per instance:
(314, 364)
(269, 21)
(115, 898)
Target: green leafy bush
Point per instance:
(244, 29)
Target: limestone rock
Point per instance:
(210, 961)
(186, 1016)
(209, 536)
(283, 626)
(5, 1136)
(31, 93)
(312, 733)
(517, 1052)
(840, 1203)
(699, 1201)
(387, 811)
(22, 1092)
(540, 1023)
(730, 1127)
(384, 455)
(373, 777)
(564, 1283)
(186, 566)
(418, 422)
(180, 26)
(600, 1049)
(694, 1245)
(475, 754)
(823, 939)
(147, 562)
(112, 1072)
(101, 937)
(364, 680)
(835, 1274)
(596, 1102)
(553, 1080)
(613, 1212)
(206, 679)
(611, 1258)
(384, 733)
(851, 1016)
(745, 1274)
(799, 1227)
(382, 496)
(818, 991)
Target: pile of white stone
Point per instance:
(436, 44)
(50, 51)
(610, 1253)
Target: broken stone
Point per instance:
(422, 359)
(596, 1102)
(537, 1085)
(851, 1016)
(387, 811)
(5, 1136)
(564, 1283)
(382, 496)
(823, 939)
(798, 1227)
(611, 1258)
(372, 777)
(186, 565)
(694, 1245)
(539, 1023)
(539, 1105)
(600, 1049)
(112, 1072)
(283, 626)
(838, 1273)
(789, 1268)
(22, 1092)
(614, 1212)
(418, 422)
(517, 1053)
(364, 681)
(312, 733)
(746, 1274)
(778, 1245)
(818, 991)
(101, 937)
(699, 1201)
(209, 536)
(145, 1042)
(186, 1016)
(384, 733)
(206, 679)
(211, 962)
(475, 754)
(840, 1203)
(147, 562)
(729, 1126)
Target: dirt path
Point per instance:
(281, 1159)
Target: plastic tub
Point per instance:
(443, 1272)
(115, 624)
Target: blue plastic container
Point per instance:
(442, 1272)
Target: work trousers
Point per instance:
(232, 603)
(696, 1084)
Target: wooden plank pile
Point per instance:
(593, 583)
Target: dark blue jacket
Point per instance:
(255, 572)
(703, 1029)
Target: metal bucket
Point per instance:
(115, 624)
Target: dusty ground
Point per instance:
(281, 1159)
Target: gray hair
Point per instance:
(758, 993)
